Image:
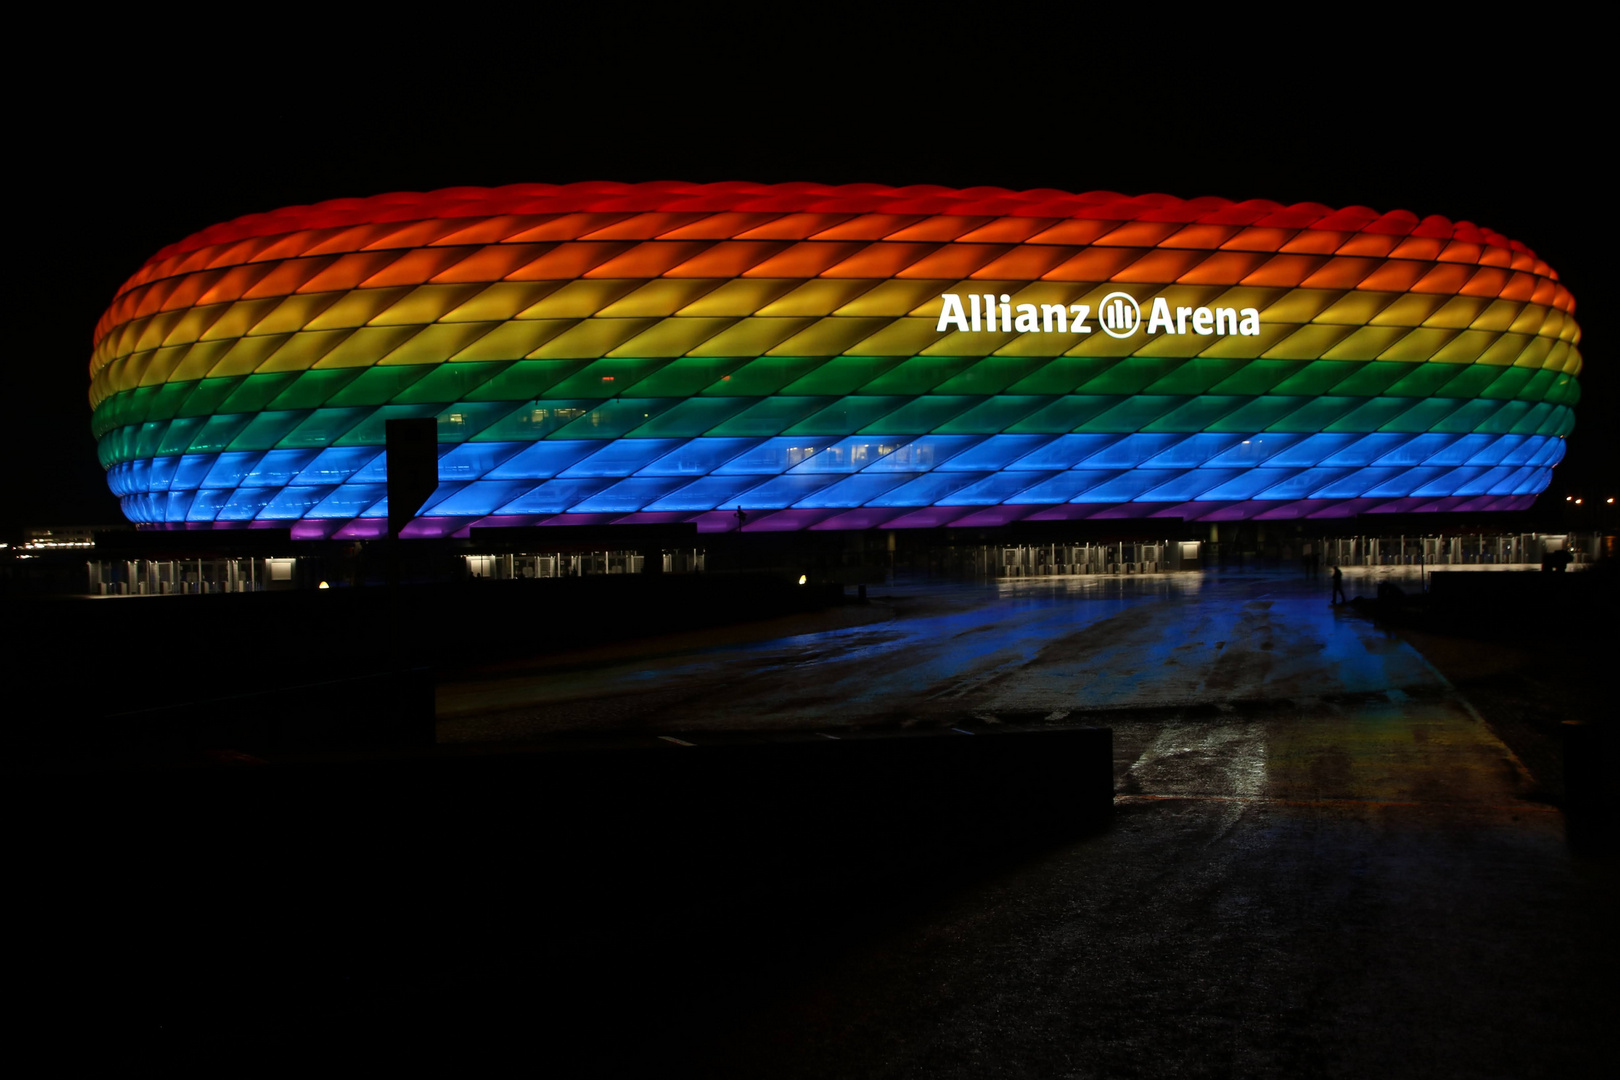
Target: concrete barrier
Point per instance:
(776, 819)
(1590, 769)
(367, 712)
(612, 832)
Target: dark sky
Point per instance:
(135, 159)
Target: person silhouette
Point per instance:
(742, 518)
(1338, 586)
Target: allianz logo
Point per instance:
(1119, 315)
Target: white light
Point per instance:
(323, 585)
(803, 578)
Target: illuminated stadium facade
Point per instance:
(831, 358)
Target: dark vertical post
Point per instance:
(413, 475)
(413, 468)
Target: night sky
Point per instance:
(132, 161)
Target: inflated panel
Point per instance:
(831, 357)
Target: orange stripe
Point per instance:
(490, 263)
(1394, 276)
(1444, 278)
(727, 259)
(1093, 264)
(1285, 271)
(569, 260)
(1161, 264)
(1224, 268)
(348, 271)
(648, 260)
(1026, 262)
(805, 260)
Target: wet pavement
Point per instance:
(1323, 860)
(1245, 685)
(1199, 938)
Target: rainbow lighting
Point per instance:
(831, 358)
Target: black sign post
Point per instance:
(413, 474)
(413, 469)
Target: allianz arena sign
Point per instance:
(1119, 315)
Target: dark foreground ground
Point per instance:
(1331, 854)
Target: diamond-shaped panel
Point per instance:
(822, 354)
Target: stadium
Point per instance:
(831, 358)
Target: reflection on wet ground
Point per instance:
(1235, 685)
(1323, 861)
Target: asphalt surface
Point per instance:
(1324, 861)
(1047, 650)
